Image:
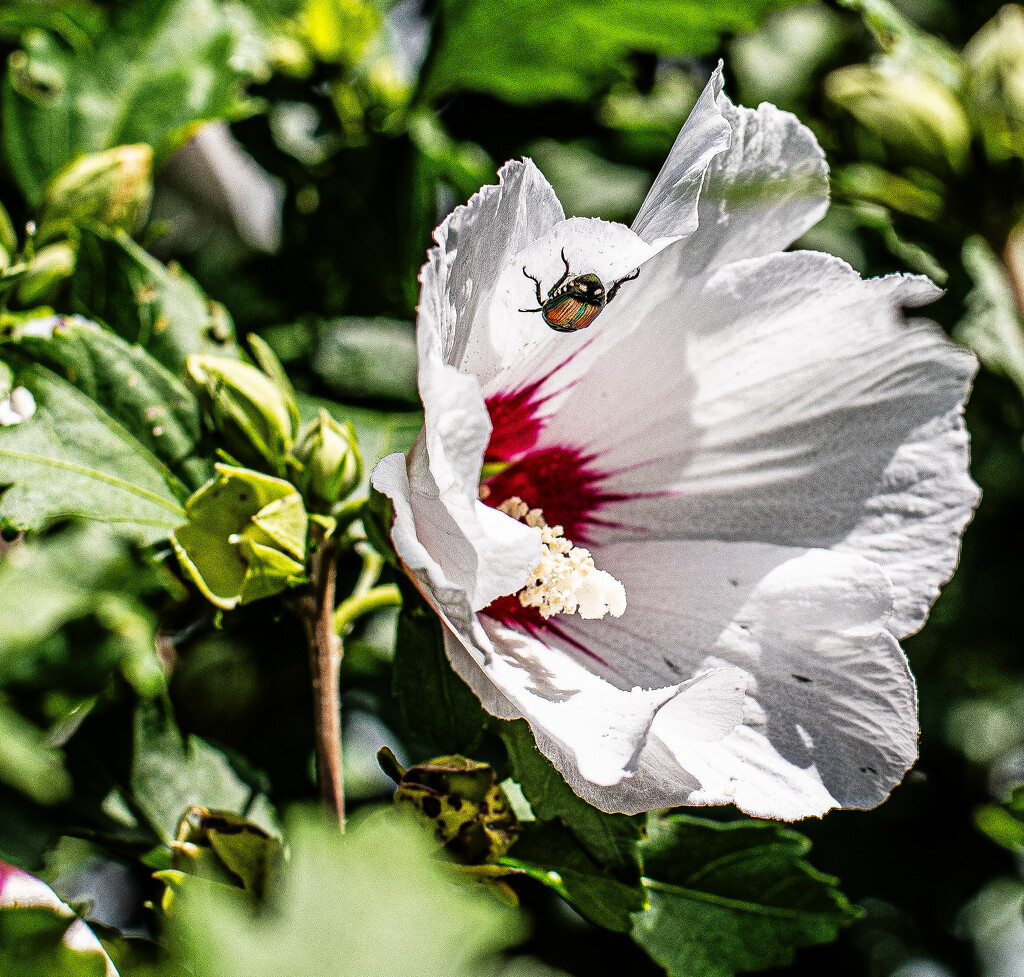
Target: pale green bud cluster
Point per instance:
(328, 462)
(995, 82)
(254, 413)
(113, 188)
(926, 101)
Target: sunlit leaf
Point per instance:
(610, 839)
(534, 50)
(550, 853)
(157, 71)
(129, 384)
(73, 459)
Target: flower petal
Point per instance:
(474, 245)
(831, 711)
(867, 451)
(449, 546)
(670, 209)
(763, 193)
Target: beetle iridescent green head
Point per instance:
(574, 303)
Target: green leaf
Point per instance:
(992, 325)
(31, 764)
(71, 459)
(610, 839)
(171, 773)
(132, 387)
(727, 898)
(70, 617)
(159, 308)
(31, 946)
(157, 71)
(372, 901)
(367, 359)
(1004, 823)
(435, 703)
(569, 50)
(550, 853)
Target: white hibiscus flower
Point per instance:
(756, 445)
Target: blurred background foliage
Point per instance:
(184, 168)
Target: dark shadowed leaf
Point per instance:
(549, 852)
(728, 898)
(610, 839)
(71, 617)
(171, 773)
(157, 307)
(436, 704)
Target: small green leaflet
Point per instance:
(728, 898)
(73, 459)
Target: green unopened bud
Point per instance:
(245, 537)
(462, 801)
(256, 417)
(332, 466)
(114, 187)
(48, 268)
(995, 82)
(912, 111)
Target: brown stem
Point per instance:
(1013, 262)
(325, 650)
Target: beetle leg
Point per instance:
(554, 288)
(540, 298)
(615, 285)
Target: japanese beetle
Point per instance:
(574, 303)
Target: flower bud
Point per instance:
(462, 801)
(910, 110)
(114, 187)
(245, 537)
(995, 82)
(256, 417)
(332, 466)
(47, 269)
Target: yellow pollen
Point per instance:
(566, 581)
